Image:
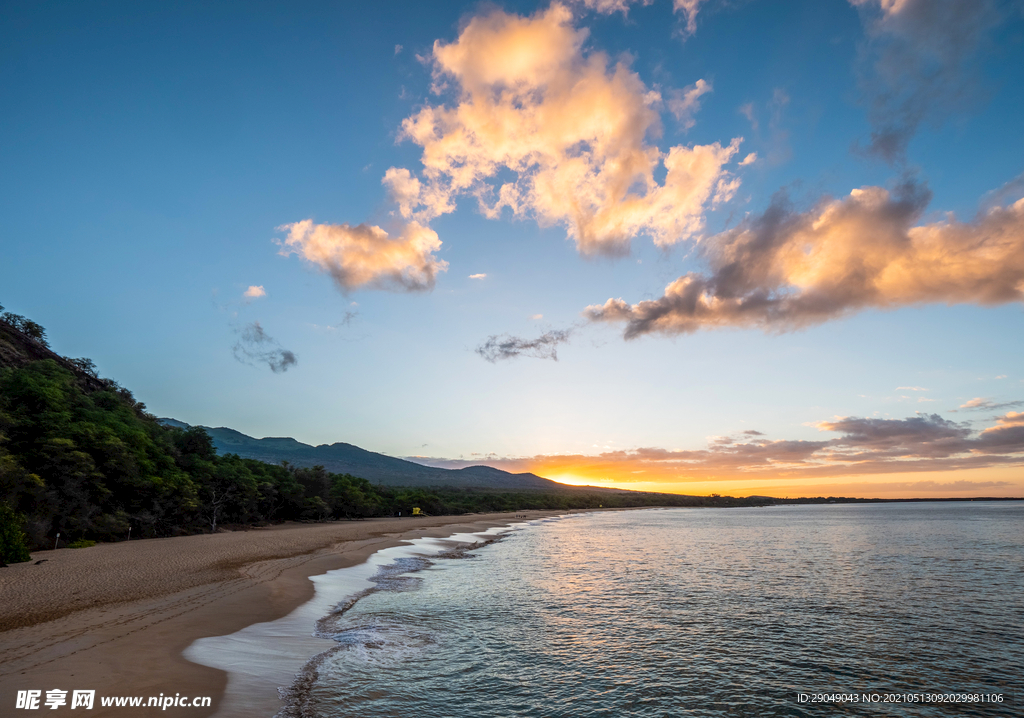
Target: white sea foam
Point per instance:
(265, 657)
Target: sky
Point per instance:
(697, 246)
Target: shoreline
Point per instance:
(271, 666)
(116, 618)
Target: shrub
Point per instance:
(12, 538)
(81, 543)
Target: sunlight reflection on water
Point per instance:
(707, 612)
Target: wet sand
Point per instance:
(115, 618)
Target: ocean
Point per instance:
(895, 609)
(702, 612)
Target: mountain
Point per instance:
(342, 458)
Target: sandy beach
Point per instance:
(115, 618)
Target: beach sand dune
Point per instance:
(115, 618)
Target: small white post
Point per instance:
(56, 540)
(129, 533)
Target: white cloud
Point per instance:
(688, 8)
(607, 7)
(254, 292)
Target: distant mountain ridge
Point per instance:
(342, 458)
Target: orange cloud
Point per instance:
(254, 292)
(571, 128)
(786, 269)
(1010, 424)
(983, 404)
(864, 447)
(365, 256)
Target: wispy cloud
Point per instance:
(543, 129)
(478, 276)
(919, 64)
(786, 269)
(747, 110)
(685, 103)
(607, 7)
(982, 404)
(505, 346)
(366, 256)
(1010, 192)
(256, 346)
(687, 8)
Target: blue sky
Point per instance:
(152, 155)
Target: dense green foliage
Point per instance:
(12, 538)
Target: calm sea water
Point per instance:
(702, 612)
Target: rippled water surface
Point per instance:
(704, 612)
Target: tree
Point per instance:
(12, 538)
(318, 508)
(27, 327)
(86, 365)
(217, 499)
(195, 445)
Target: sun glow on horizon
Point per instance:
(1000, 482)
(574, 480)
